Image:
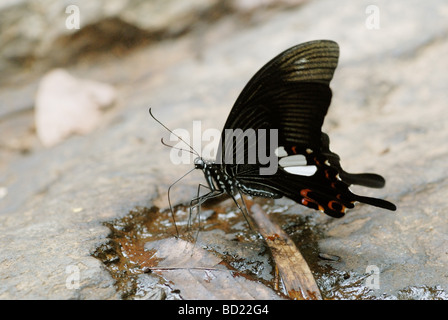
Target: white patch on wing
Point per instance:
(295, 160)
(302, 170)
(280, 152)
(295, 164)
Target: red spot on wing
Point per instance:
(336, 206)
(304, 192)
(309, 202)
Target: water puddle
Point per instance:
(130, 255)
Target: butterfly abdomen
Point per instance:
(219, 180)
(258, 192)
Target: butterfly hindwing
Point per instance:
(324, 190)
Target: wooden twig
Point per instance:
(292, 267)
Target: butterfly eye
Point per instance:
(199, 163)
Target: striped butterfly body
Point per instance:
(290, 96)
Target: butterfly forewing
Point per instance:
(290, 93)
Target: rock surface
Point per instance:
(388, 115)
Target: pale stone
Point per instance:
(66, 105)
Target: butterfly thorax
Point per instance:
(217, 178)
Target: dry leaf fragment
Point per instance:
(199, 274)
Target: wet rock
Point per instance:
(197, 273)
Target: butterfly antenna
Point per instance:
(169, 199)
(176, 148)
(178, 137)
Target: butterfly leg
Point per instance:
(245, 212)
(199, 200)
(192, 205)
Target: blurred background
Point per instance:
(77, 145)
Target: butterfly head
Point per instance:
(199, 163)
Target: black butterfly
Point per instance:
(291, 95)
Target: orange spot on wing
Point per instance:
(307, 201)
(336, 206)
(304, 192)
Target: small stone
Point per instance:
(66, 105)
